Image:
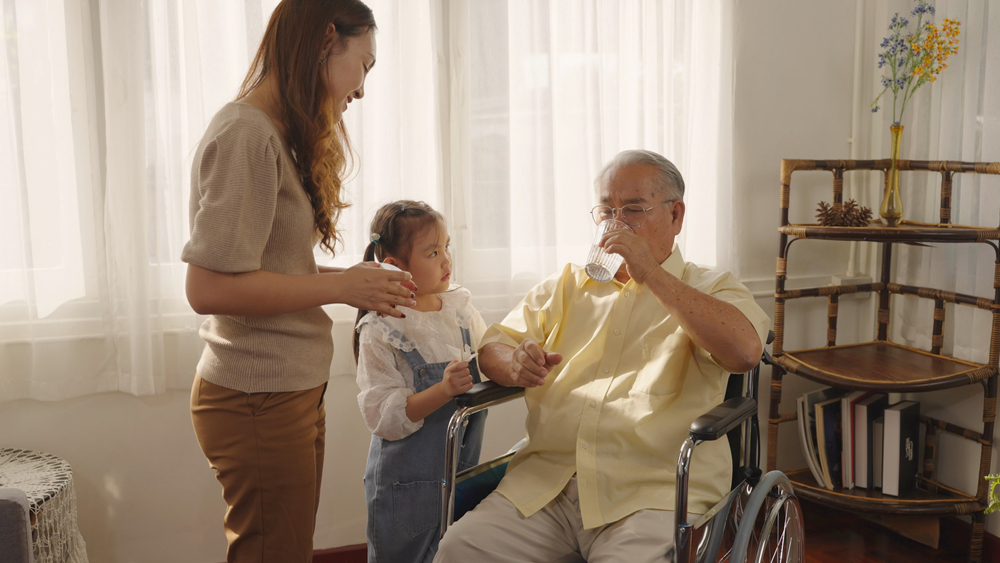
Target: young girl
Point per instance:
(409, 370)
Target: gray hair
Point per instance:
(668, 178)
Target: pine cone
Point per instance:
(824, 214)
(850, 214)
(856, 215)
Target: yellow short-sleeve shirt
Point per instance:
(617, 409)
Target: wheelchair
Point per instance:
(760, 520)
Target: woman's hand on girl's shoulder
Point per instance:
(367, 286)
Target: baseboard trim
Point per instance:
(346, 554)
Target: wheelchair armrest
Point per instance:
(766, 357)
(487, 392)
(717, 422)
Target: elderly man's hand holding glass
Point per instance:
(601, 264)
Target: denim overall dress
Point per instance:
(403, 477)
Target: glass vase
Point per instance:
(891, 209)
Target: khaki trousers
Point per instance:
(496, 532)
(267, 451)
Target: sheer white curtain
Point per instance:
(499, 114)
(103, 102)
(49, 179)
(955, 118)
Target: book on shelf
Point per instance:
(866, 411)
(814, 443)
(847, 404)
(900, 448)
(806, 437)
(878, 437)
(828, 440)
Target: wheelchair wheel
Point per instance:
(771, 528)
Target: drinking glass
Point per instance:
(601, 264)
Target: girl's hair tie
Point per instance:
(375, 238)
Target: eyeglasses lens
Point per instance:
(631, 215)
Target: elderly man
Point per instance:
(615, 373)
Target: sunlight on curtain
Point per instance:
(49, 174)
(103, 106)
(499, 114)
(535, 98)
(42, 260)
(168, 67)
(562, 88)
(955, 118)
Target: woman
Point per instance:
(266, 187)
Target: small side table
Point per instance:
(48, 483)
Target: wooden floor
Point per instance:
(833, 536)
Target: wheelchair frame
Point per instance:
(746, 497)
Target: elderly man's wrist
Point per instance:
(646, 274)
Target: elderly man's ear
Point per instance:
(677, 216)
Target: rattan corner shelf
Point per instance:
(900, 368)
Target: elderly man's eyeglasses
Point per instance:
(633, 214)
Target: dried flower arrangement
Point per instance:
(850, 214)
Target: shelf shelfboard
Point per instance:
(899, 368)
(906, 232)
(918, 501)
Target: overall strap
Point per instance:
(474, 364)
(413, 357)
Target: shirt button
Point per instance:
(606, 370)
(593, 403)
(586, 445)
(627, 294)
(617, 331)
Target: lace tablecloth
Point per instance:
(48, 483)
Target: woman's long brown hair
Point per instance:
(291, 50)
(396, 225)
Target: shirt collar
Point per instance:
(674, 264)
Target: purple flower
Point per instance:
(923, 8)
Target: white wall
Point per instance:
(146, 492)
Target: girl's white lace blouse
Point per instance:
(385, 378)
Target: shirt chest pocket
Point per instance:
(665, 362)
